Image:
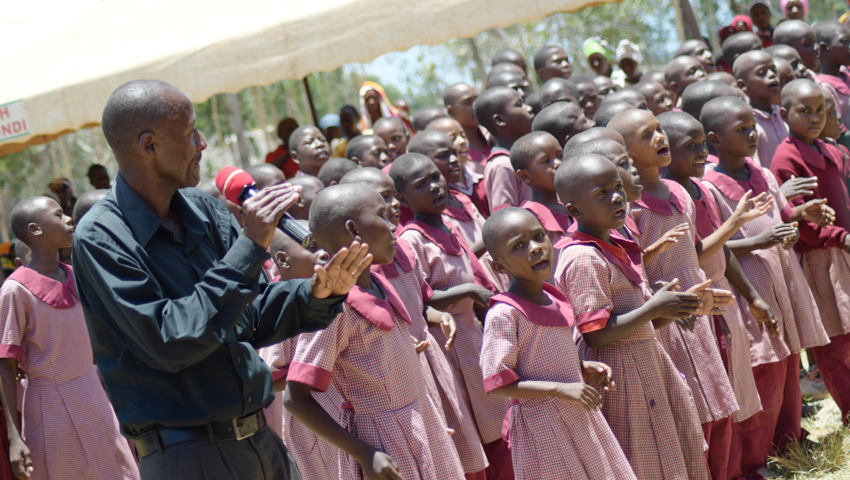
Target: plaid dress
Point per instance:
(651, 412)
(551, 439)
(368, 354)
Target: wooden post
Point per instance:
(309, 95)
(480, 69)
(262, 119)
(4, 227)
(238, 127)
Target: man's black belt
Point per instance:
(233, 429)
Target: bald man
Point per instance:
(175, 301)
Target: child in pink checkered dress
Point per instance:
(651, 411)
(387, 425)
(556, 428)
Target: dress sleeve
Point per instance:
(586, 282)
(13, 319)
(316, 353)
(499, 350)
(501, 184)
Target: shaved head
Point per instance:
(402, 166)
(717, 112)
(455, 92)
(600, 146)
(609, 110)
(509, 55)
(491, 102)
(562, 120)
(425, 115)
(425, 140)
(675, 124)
(525, 147)
(578, 171)
(739, 43)
(625, 122)
(699, 93)
(493, 231)
(556, 89)
(591, 134)
(333, 207)
(334, 169)
(86, 201)
(265, 174)
(801, 87)
(364, 175)
(26, 212)
(137, 107)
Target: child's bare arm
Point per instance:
(666, 305)
(815, 211)
(759, 309)
(598, 374)
(765, 239)
(375, 464)
(746, 210)
(19, 453)
(446, 322)
(579, 392)
(442, 299)
(666, 241)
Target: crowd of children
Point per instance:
(610, 277)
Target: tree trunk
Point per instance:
(480, 69)
(262, 118)
(686, 21)
(236, 124)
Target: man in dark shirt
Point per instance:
(176, 303)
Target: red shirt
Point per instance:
(280, 156)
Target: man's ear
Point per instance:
(147, 142)
(281, 260)
(783, 113)
(497, 119)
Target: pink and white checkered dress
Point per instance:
(551, 439)
(707, 219)
(651, 411)
(315, 456)
(695, 353)
(467, 220)
(770, 270)
(503, 186)
(407, 277)
(368, 355)
(68, 422)
(447, 264)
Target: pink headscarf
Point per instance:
(805, 4)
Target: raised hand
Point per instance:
(791, 239)
(668, 303)
(341, 273)
(669, 239)
(581, 394)
(818, 212)
(797, 186)
(751, 208)
(598, 374)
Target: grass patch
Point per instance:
(825, 457)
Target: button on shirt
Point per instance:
(175, 323)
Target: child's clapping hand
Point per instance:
(817, 212)
(580, 393)
(751, 208)
(666, 241)
(797, 186)
(598, 374)
(763, 314)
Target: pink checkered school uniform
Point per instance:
(466, 219)
(446, 263)
(368, 355)
(407, 277)
(651, 412)
(737, 343)
(68, 422)
(504, 188)
(775, 360)
(826, 265)
(551, 439)
(315, 456)
(694, 353)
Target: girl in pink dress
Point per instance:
(556, 428)
(68, 422)
(651, 411)
(407, 277)
(460, 286)
(388, 425)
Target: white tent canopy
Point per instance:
(62, 59)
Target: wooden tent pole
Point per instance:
(310, 100)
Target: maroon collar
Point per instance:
(735, 189)
(453, 244)
(814, 157)
(52, 292)
(402, 259)
(678, 199)
(707, 216)
(464, 213)
(495, 152)
(380, 313)
(623, 253)
(551, 221)
(559, 313)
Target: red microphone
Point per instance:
(237, 185)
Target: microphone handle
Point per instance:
(288, 224)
